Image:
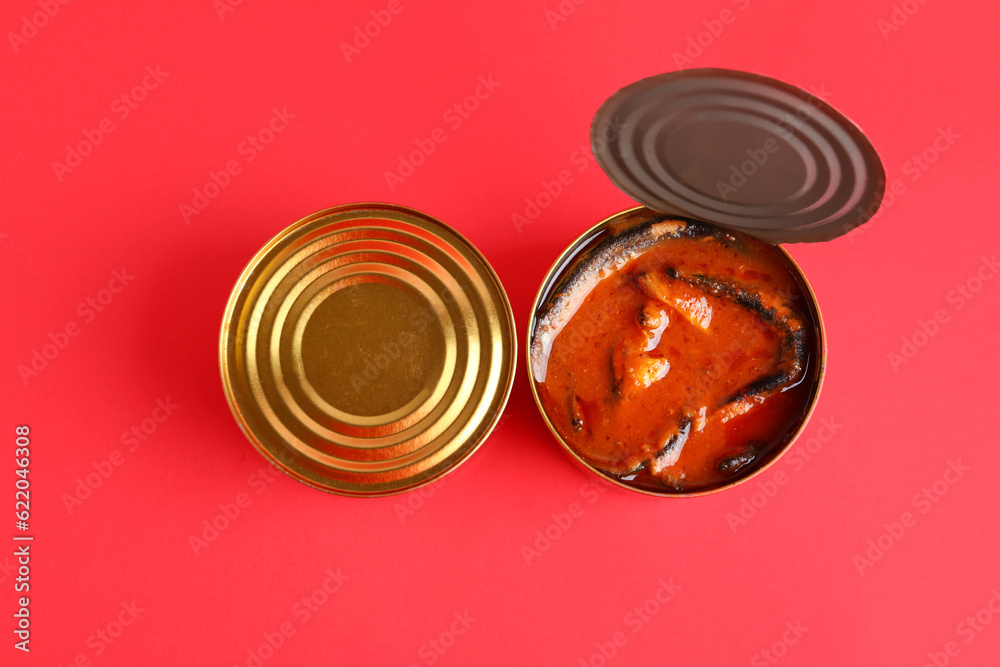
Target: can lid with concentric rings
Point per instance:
(740, 150)
(367, 349)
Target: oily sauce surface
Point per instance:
(685, 368)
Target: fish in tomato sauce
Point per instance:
(675, 355)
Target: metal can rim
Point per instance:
(821, 345)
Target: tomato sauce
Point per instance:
(676, 357)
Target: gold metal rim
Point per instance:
(298, 423)
(551, 275)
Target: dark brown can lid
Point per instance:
(740, 150)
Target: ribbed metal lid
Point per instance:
(740, 150)
(367, 349)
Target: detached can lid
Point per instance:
(740, 150)
(367, 349)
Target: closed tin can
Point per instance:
(367, 349)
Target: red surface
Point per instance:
(786, 580)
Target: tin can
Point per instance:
(367, 350)
(727, 150)
(578, 254)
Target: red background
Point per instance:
(413, 562)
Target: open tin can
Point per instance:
(369, 349)
(676, 348)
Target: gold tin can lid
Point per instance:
(367, 349)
